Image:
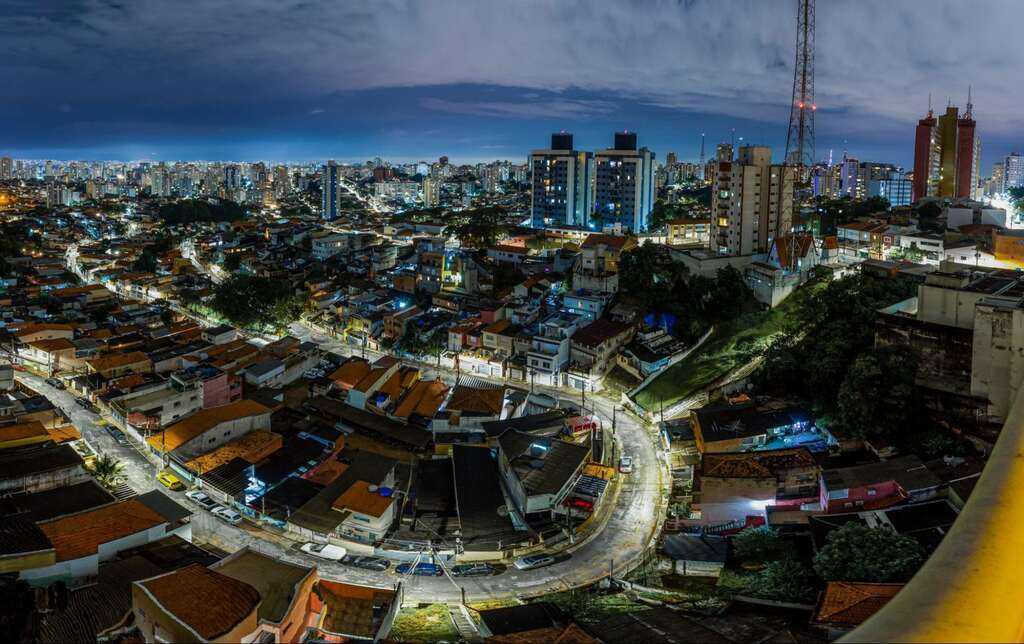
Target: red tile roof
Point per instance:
(849, 604)
(80, 535)
(209, 603)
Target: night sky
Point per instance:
(284, 80)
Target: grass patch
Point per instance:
(731, 346)
(427, 624)
(589, 606)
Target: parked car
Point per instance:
(200, 498)
(55, 383)
(626, 464)
(473, 570)
(170, 481)
(82, 402)
(530, 562)
(119, 436)
(378, 564)
(422, 569)
(323, 551)
(227, 514)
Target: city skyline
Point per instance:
(395, 81)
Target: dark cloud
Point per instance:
(274, 69)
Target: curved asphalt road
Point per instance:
(619, 543)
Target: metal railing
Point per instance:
(970, 589)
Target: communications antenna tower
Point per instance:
(800, 138)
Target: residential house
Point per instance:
(285, 591)
(350, 613)
(732, 487)
(79, 542)
(195, 604)
(747, 426)
(877, 485)
(539, 472)
(598, 266)
(210, 428)
(357, 505)
(845, 605)
(550, 347)
(113, 365)
(592, 350)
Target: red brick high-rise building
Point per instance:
(947, 155)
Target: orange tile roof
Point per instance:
(359, 498)
(56, 344)
(203, 420)
(22, 431)
(612, 241)
(326, 472)
(31, 328)
(399, 381)
(849, 604)
(209, 602)
(350, 373)
(371, 377)
(483, 401)
(424, 398)
(80, 535)
(114, 360)
(498, 327)
(252, 447)
(64, 434)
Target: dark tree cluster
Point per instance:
(189, 211)
(661, 286)
(827, 356)
(257, 303)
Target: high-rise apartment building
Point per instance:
(624, 184)
(562, 193)
(947, 155)
(330, 185)
(282, 181)
(751, 200)
(6, 168)
(1013, 171)
(430, 192)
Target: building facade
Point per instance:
(624, 184)
(751, 201)
(562, 193)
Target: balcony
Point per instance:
(970, 588)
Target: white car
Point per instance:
(534, 561)
(626, 464)
(200, 498)
(227, 514)
(323, 551)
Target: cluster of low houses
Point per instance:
(114, 565)
(767, 463)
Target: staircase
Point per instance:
(464, 623)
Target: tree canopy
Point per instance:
(856, 552)
(759, 545)
(666, 287)
(878, 396)
(479, 227)
(188, 211)
(258, 303)
(832, 327)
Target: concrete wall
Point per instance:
(997, 364)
